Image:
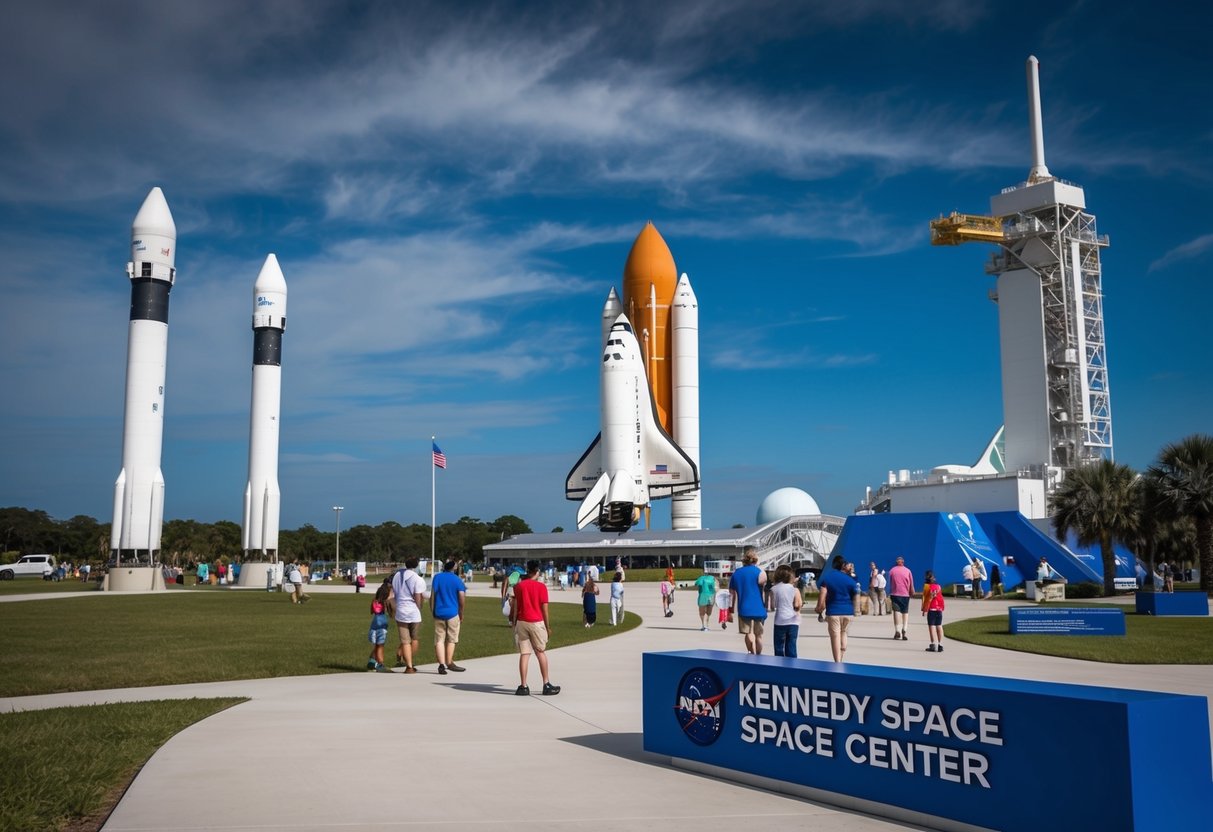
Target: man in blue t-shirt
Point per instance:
(446, 606)
(837, 600)
(745, 588)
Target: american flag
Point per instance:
(439, 456)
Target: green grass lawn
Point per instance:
(67, 767)
(29, 586)
(1148, 639)
(57, 645)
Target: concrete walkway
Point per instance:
(388, 751)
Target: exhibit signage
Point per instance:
(1066, 621)
(980, 751)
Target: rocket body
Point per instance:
(139, 489)
(262, 498)
(686, 511)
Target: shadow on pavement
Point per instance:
(483, 688)
(626, 746)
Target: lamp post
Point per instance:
(338, 510)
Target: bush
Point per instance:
(1086, 589)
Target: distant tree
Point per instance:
(557, 529)
(509, 525)
(1184, 474)
(1099, 503)
(739, 525)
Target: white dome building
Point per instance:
(784, 503)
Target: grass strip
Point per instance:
(1148, 639)
(60, 645)
(66, 768)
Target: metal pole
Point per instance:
(337, 569)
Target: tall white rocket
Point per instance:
(262, 498)
(139, 489)
(686, 509)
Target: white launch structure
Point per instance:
(139, 489)
(1056, 400)
(262, 497)
(1057, 410)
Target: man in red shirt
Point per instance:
(529, 618)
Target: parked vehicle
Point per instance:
(42, 566)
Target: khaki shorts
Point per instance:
(745, 626)
(838, 623)
(407, 630)
(446, 632)
(531, 637)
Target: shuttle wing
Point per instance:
(586, 472)
(670, 470)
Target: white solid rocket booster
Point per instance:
(611, 310)
(262, 498)
(686, 510)
(139, 490)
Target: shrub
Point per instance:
(1086, 589)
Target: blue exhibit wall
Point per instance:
(1009, 754)
(945, 542)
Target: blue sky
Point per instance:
(451, 189)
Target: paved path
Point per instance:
(320, 752)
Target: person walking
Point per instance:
(447, 596)
(932, 608)
(667, 602)
(995, 582)
(617, 598)
(408, 590)
(979, 575)
(589, 602)
(532, 627)
(724, 603)
(875, 607)
(967, 575)
(298, 596)
(745, 589)
(377, 634)
(785, 603)
(901, 587)
(706, 585)
(838, 591)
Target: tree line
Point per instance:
(82, 538)
(1165, 514)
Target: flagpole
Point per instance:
(433, 499)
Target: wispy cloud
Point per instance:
(1188, 251)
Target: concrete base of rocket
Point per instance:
(133, 579)
(259, 575)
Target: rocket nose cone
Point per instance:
(270, 278)
(154, 217)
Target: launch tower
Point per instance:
(1056, 401)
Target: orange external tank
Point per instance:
(649, 281)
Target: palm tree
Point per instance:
(1099, 503)
(1184, 472)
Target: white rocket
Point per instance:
(686, 511)
(139, 490)
(633, 459)
(262, 499)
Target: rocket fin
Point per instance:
(586, 472)
(119, 514)
(590, 509)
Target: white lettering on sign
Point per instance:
(951, 764)
(810, 702)
(961, 723)
(805, 738)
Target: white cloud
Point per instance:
(1188, 251)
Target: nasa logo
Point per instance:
(699, 706)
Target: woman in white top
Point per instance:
(617, 598)
(786, 603)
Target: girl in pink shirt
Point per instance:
(932, 608)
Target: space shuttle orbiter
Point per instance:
(633, 459)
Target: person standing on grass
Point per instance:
(298, 596)
(377, 634)
(589, 602)
(447, 597)
(785, 603)
(617, 598)
(706, 584)
(745, 587)
(932, 608)
(901, 587)
(532, 627)
(408, 590)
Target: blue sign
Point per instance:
(1004, 753)
(1066, 621)
(1172, 603)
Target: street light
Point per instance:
(338, 509)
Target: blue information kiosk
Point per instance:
(945, 750)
